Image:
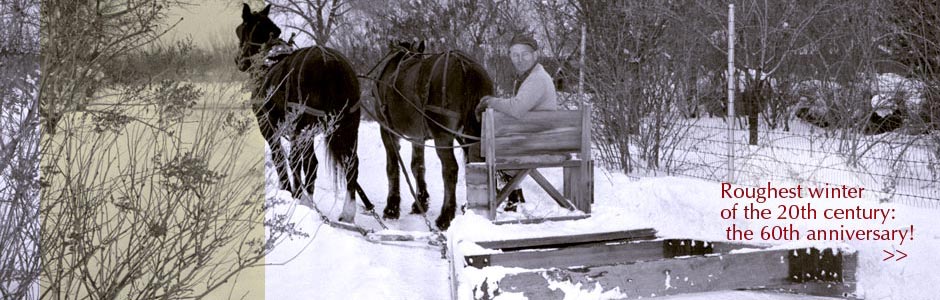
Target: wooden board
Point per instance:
(541, 132)
(559, 141)
(515, 162)
(541, 220)
(475, 177)
(536, 121)
(569, 240)
(664, 277)
(601, 254)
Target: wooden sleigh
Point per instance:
(541, 139)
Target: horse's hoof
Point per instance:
(390, 213)
(348, 219)
(515, 197)
(419, 208)
(442, 223)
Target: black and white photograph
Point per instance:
(19, 149)
(470, 149)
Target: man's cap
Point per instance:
(524, 39)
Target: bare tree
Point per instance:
(769, 34)
(19, 26)
(19, 150)
(315, 19)
(914, 44)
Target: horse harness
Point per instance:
(278, 52)
(425, 89)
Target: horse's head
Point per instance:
(254, 33)
(406, 49)
(398, 51)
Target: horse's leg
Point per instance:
(449, 169)
(351, 163)
(303, 157)
(269, 131)
(343, 143)
(417, 168)
(393, 203)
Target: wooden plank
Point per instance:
(541, 220)
(542, 132)
(452, 269)
(475, 178)
(547, 186)
(538, 127)
(511, 163)
(571, 257)
(536, 121)
(824, 289)
(663, 277)
(586, 255)
(568, 240)
(833, 288)
(539, 159)
(559, 141)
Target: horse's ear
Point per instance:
(264, 12)
(421, 47)
(246, 12)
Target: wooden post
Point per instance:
(571, 181)
(489, 151)
(581, 63)
(586, 189)
(477, 197)
(731, 77)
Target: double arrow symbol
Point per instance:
(890, 255)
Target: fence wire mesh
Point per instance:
(899, 167)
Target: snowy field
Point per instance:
(340, 264)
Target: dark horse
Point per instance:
(312, 88)
(428, 96)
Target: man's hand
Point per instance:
(484, 103)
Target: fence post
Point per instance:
(731, 77)
(581, 64)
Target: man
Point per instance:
(534, 91)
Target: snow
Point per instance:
(887, 86)
(339, 264)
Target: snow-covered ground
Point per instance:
(340, 264)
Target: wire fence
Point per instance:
(898, 167)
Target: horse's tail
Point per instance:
(341, 145)
(342, 138)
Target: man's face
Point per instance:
(523, 57)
